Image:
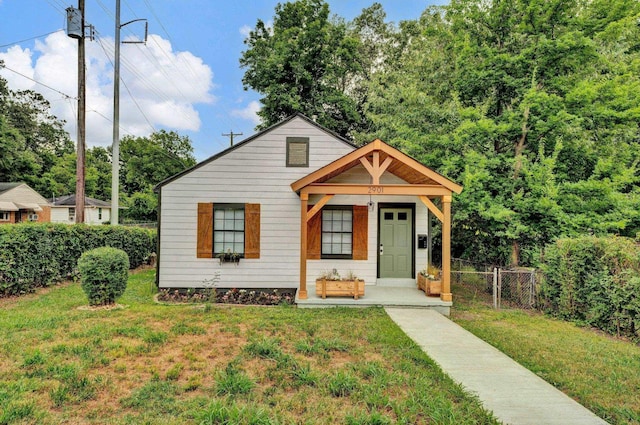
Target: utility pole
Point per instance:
(115, 148)
(75, 29)
(231, 134)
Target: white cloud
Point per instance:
(166, 85)
(245, 30)
(250, 112)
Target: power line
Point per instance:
(3, 66)
(128, 91)
(30, 38)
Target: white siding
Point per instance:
(253, 173)
(367, 270)
(256, 173)
(61, 215)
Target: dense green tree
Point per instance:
(306, 63)
(42, 136)
(146, 161)
(532, 106)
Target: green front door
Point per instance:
(395, 245)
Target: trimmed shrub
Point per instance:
(594, 281)
(104, 273)
(39, 254)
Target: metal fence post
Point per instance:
(495, 288)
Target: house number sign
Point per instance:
(376, 189)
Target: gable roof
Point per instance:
(70, 201)
(248, 140)
(21, 193)
(399, 164)
(6, 186)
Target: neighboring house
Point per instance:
(63, 210)
(20, 203)
(294, 201)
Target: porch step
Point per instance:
(396, 282)
(378, 296)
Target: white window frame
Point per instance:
(5, 215)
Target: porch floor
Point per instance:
(387, 294)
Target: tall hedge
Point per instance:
(595, 281)
(39, 254)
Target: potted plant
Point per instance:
(229, 257)
(430, 280)
(330, 283)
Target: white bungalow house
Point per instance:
(294, 201)
(63, 210)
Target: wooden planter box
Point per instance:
(429, 286)
(339, 288)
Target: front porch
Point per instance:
(383, 294)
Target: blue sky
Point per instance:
(186, 78)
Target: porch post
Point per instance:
(445, 295)
(302, 293)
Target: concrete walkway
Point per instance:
(514, 394)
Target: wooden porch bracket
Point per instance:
(432, 207)
(376, 169)
(318, 206)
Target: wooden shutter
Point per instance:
(360, 232)
(205, 230)
(314, 236)
(251, 230)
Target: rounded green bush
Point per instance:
(104, 273)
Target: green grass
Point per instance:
(163, 364)
(597, 370)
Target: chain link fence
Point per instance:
(501, 287)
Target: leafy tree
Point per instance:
(42, 136)
(146, 161)
(304, 63)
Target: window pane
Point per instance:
(238, 248)
(218, 214)
(337, 215)
(336, 248)
(346, 215)
(326, 248)
(326, 215)
(218, 224)
(402, 216)
(239, 214)
(238, 237)
(346, 238)
(388, 216)
(326, 238)
(218, 237)
(228, 237)
(336, 226)
(239, 224)
(346, 226)
(346, 249)
(218, 248)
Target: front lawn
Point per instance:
(599, 371)
(159, 364)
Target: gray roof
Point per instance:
(70, 201)
(248, 140)
(5, 186)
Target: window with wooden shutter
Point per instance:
(228, 228)
(314, 234)
(352, 237)
(205, 230)
(252, 231)
(360, 232)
